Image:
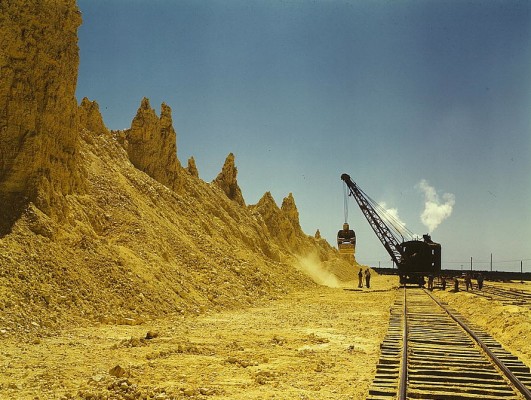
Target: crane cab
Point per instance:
(421, 258)
(346, 240)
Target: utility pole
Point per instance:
(521, 272)
(490, 262)
(470, 263)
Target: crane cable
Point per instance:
(396, 226)
(345, 202)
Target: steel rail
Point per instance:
(515, 381)
(402, 389)
(506, 295)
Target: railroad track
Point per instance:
(505, 296)
(431, 352)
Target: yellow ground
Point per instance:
(321, 343)
(104, 253)
(314, 344)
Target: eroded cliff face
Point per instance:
(39, 139)
(151, 143)
(226, 180)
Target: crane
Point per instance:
(413, 258)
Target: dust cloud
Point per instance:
(313, 267)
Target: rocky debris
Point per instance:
(39, 140)
(119, 389)
(152, 145)
(226, 180)
(244, 363)
(265, 377)
(38, 222)
(152, 335)
(117, 371)
(192, 169)
(132, 342)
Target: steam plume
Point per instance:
(434, 212)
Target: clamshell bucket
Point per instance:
(347, 248)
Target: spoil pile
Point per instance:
(107, 226)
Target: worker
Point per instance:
(368, 278)
(430, 282)
(468, 282)
(480, 281)
(456, 285)
(443, 282)
(360, 278)
(346, 235)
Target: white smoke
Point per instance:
(434, 212)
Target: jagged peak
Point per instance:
(227, 180)
(144, 104)
(90, 116)
(165, 110)
(144, 115)
(288, 204)
(146, 112)
(192, 168)
(267, 199)
(152, 145)
(87, 104)
(282, 223)
(290, 210)
(166, 121)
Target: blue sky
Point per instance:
(391, 93)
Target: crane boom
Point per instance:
(414, 258)
(375, 221)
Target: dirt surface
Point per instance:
(321, 343)
(314, 344)
(125, 276)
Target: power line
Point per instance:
(487, 261)
(345, 202)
